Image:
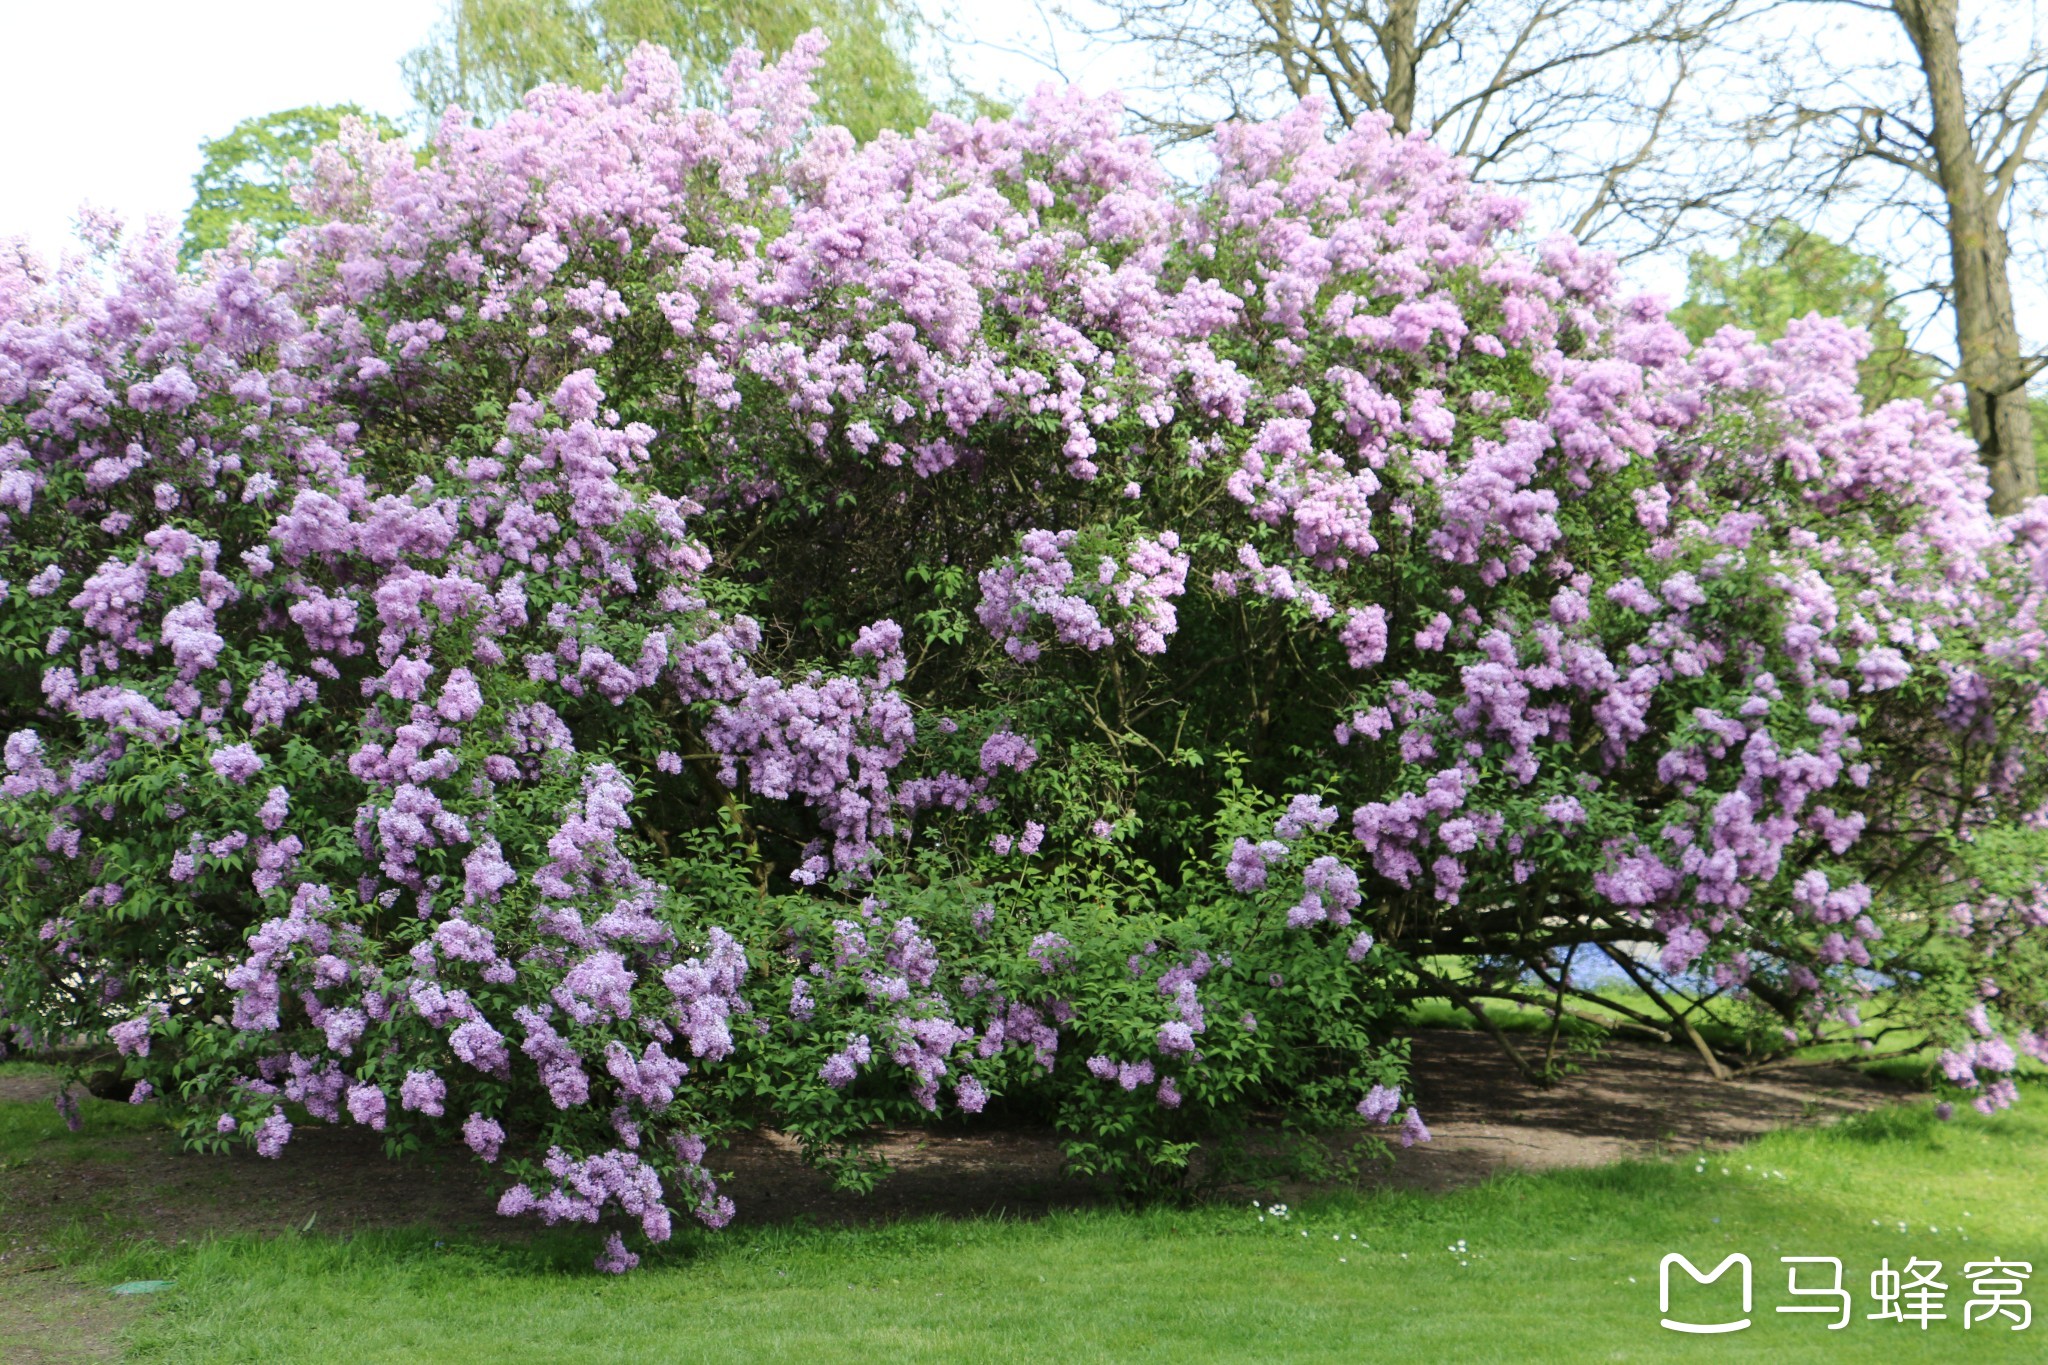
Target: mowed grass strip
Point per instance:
(1561, 1266)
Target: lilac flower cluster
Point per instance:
(1090, 605)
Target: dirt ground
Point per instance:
(1633, 1100)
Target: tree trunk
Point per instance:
(1397, 45)
(1987, 332)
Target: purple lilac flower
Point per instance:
(483, 1135)
(650, 1078)
(131, 1037)
(615, 1259)
(1380, 1104)
(273, 1135)
(842, 1066)
(597, 987)
(423, 1091)
(237, 763)
(559, 1064)
(1051, 952)
(1248, 863)
(343, 1027)
(1364, 636)
(366, 1105)
(1329, 893)
(1303, 815)
(483, 1047)
(1006, 750)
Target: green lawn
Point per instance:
(1561, 1266)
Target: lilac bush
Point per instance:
(651, 620)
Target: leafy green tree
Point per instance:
(247, 174)
(1784, 271)
(486, 54)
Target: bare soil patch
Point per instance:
(1634, 1100)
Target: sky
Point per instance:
(107, 101)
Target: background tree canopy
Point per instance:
(486, 54)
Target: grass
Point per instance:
(1560, 1266)
(37, 1130)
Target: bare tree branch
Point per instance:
(1588, 107)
